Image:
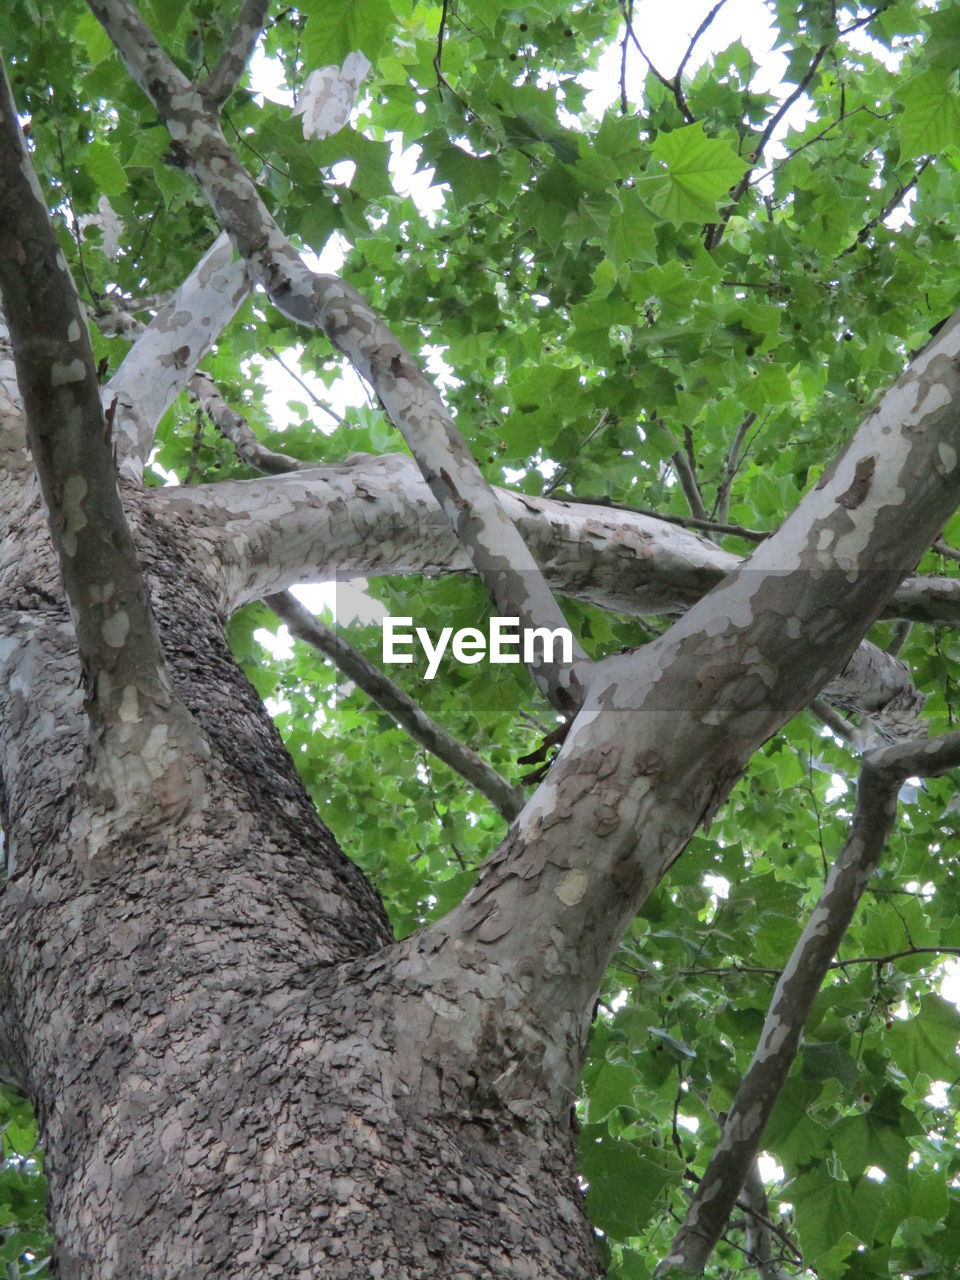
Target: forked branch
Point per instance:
(325, 302)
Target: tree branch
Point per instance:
(694, 39)
(881, 776)
(325, 302)
(70, 442)
(716, 232)
(507, 799)
(290, 529)
(236, 53)
(730, 467)
(626, 9)
(144, 746)
(760, 1232)
(163, 358)
(683, 466)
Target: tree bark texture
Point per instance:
(212, 1020)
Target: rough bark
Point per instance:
(212, 1023)
(237, 1070)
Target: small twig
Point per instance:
(626, 8)
(715, 235)
(696, 36)
(275, 355)
(860, 22)
(438, 56)
(564, 471)
(623, 62)
(894, 202)
(687, 522)
(730, 468)
(943, 549)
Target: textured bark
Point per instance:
(213, 1023)
(237, 1070)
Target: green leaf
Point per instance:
(930, 122)
(105, 169)
(699, 171)
(926, 1043)
(625, 1180)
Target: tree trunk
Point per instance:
(221, 1054)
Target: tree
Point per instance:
(253, 1054)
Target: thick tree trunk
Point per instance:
(211, 1018)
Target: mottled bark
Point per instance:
(324, 302)
(212, 1021)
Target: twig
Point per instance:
(564, 471)
(881, 777)
(715, 234)
(696, 36)
(626, 9)
(506, 798)
(893, 203)
(438, 56)
(730, 468)
(275, 355)
(760, 1230)
(686, 522)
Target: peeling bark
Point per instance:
(237, 1069)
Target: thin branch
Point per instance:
(70, 440)
(626, 9)
(303, 384)
(233, 427)
(564, 471)
(507, 799)
(438, 56)
(893, 203)
(834, 721)
(730, 467)
(881, 777)
(716, 232)
(943, 549)
(860, 22)
(696, 37)
(236, 53)
(624, 43)
(901, 633)
(686, 522)
(760, 1230)
(327, 303)
(724, 971)
(683, 466)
